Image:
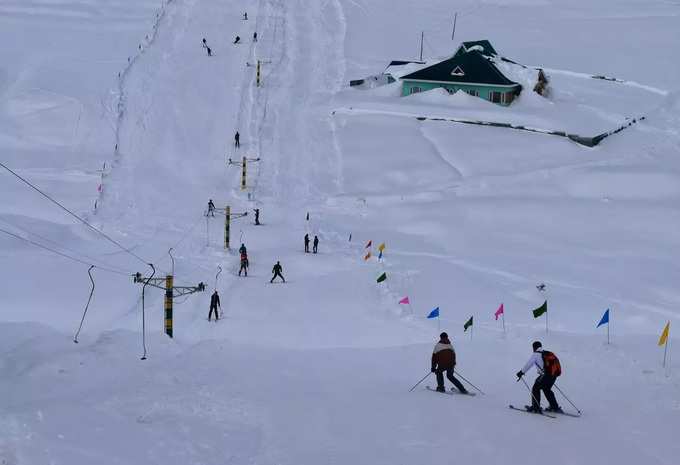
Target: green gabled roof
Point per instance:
(469, 68)
(485, 44)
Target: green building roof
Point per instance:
(468, 68)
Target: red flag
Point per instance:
(499, 312)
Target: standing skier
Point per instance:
(306, 243)
(237, 138)
(254, 36)
(245, 16)
(214, 303)
(548, 367)
(244, 264)
(277, 270)
(211, 208)
(242, 250)
(444, 360)
(257, 217)
(315, 245)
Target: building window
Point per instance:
(508, 97)
(473, 92)
(457, 71)
(495, 97)
(416, 89)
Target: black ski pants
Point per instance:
(213, 308)
(544, 383)
(279, 275)
(243, 268)
(449, 375)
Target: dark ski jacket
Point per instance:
(215, 300)
(278, 269)
(316, 241)
(443, 356)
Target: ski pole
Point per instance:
(464, 379)
(531, 392)
(565, 396)
(419, 382)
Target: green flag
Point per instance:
(467, 324)
(382, 277)
(541, 310)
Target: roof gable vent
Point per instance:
(457, 71)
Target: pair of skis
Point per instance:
(452, 392)
(543, 413)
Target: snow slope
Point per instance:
(318, 370)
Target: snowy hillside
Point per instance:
(115, 111)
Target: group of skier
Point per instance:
(546, 363)
(237, 39)
(315, 244)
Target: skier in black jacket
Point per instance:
(277, 270)
(306, 243)
(315, 245)
(214, 303)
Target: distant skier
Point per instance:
(277, 270)
(237, 40)
(306, 243)
(254, 36)
(257, 217)
(205, 44)
(444, 360)
(214, 303)
(315, 246)
(548, 367)
(245, 16)
(237, 140)
(242, 250)
(209, 51)
(211, 208)
(244, 264)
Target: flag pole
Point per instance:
(439, 324)
(546, 321)
(608, 323)
(503, 315)
(665, 351)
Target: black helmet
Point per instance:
(537, 345)
(443, 336)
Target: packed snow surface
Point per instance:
(115, 110)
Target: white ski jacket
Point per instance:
(536, 360)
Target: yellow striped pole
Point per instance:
(227, 218)
(243, 174)
(168, 305)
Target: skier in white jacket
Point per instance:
(546, 378)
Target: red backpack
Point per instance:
(551, 364)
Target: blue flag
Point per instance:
(434, 313)
(605, 319)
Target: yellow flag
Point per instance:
(381, 247)
(664, 336)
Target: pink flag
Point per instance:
(99, 188)
(499, 312)
(405, 301)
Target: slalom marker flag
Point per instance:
(382, 277)
(499, 312)
(664, 335)
(467, 324)
(541, 310)
(99, 188)
(367, 256)
(405, 301)
(370, 243)
(604, 320)
(434, 313)
(381, 247)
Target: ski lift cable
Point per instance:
(61, 206)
